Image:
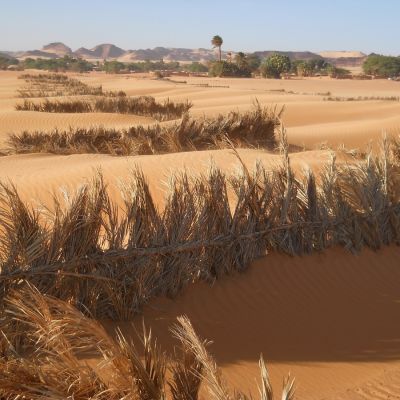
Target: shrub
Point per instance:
(6, 61)
(196, 67)
(382, 66)
(275, 65)
(228, 69)
(338, 73)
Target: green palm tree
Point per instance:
(217, 41)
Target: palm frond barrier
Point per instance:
(254, 128)
(110, 261)
(141, 105)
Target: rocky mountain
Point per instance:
(58, 48)
(105, 51)
(111, 52)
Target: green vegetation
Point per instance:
(275, 65)
(309, 67)
(228, 69)
(382, 66)
(195, 67)
(116, 67)
(66, 63)
(113, 67)
(338, 73)
(6, 61)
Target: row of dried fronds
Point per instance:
(54, 85)
(112, 260)
(254, 128)
(142, 105)
(44, 340)
(362, 98)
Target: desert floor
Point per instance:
(331, 319)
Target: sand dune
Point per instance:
(331, 319)
(309, 119)
(39, 176)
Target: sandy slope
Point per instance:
(38, 176)
(331, 319)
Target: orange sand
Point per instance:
(330, 319)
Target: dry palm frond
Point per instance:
(288, 391)
(187, 376)
(211, 374)
(266, 392)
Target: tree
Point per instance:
(275, 65)
(384, 66)
(217, 41)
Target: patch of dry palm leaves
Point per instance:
(254, 128)
(44, 339)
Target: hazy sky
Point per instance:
(250, 25)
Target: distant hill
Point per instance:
(58, 48)
(111, 52)
(342, 54)
(105, 51)
(38, 54)
(83, 52)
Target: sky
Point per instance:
(364, 25)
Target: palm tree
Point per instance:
(217, 41)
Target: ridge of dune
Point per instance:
(39, 176)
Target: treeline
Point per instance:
(240, 65)
(116, 67)
(6, 61)
(275, 66)
(63, 64)
(382, 66)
